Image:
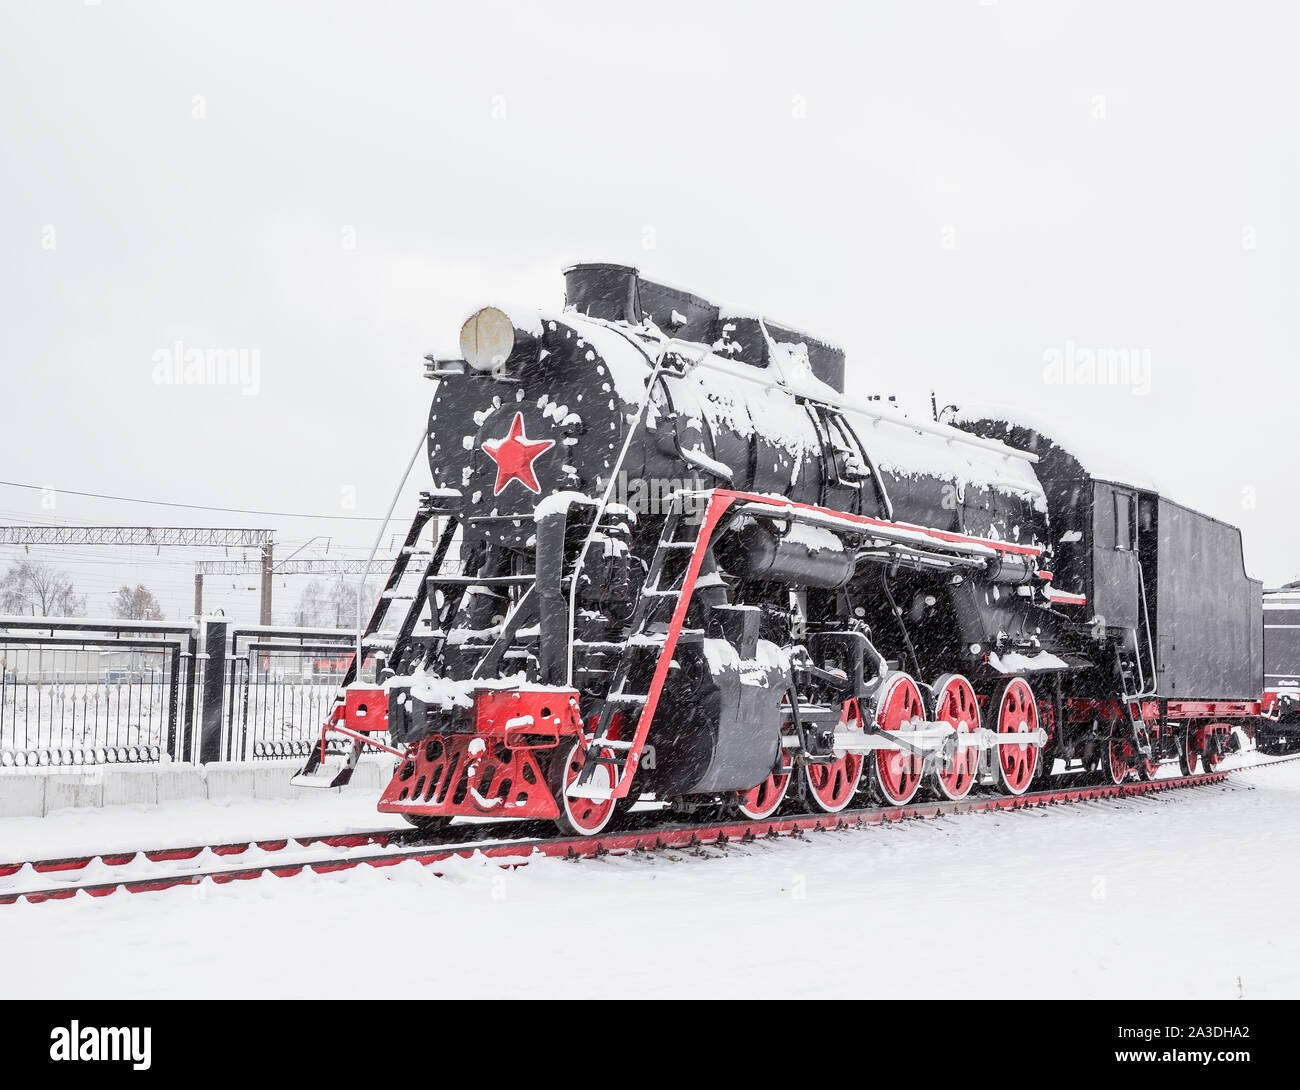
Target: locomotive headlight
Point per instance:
(486, 339)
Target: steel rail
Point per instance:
(519, 852)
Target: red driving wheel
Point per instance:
(1120, 759)
(581, 817)
(832, 786)
(578, 816)
(764, 799)
(1016, 712)
(896, 773)
(955, 704)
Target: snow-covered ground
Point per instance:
(190, 822)
(1185, 894)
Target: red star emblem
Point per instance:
(514, 456)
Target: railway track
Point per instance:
(153, 870)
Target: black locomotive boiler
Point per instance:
(663, 556)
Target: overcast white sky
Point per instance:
(951, 190)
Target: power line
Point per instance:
(379, 566)
(189, 506)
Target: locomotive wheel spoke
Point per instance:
(1017, 712)
(763, 800)
(831, 787)
(896, 773)
(579, 817)
(1119, 759)
(956, 705)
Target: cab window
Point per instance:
(1123, 521)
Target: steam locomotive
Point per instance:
(665, 558)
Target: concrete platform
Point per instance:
(37, 792)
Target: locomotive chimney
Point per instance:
(608, 292)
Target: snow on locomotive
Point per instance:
(674, 562)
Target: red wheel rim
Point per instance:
(1120, 759)
(586, 815)
(1210, 761)
(762, 801)
(1017, 714)
(833, 785)
(898, 772)
(1189, 752)
(957, 706)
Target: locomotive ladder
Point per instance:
(618, 758)
(371, 640)
(1132, 700)
(1141, 733)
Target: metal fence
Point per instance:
(281, 685)
(87, 692)
(77, 692)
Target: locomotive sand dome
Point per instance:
(676, 563)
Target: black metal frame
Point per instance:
(91, 634)
(200, 723)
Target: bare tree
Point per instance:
(32, 587)
(313, 609)
(335, 606)
(135, 604)
(343, 602)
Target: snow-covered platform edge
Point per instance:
(37, 793)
